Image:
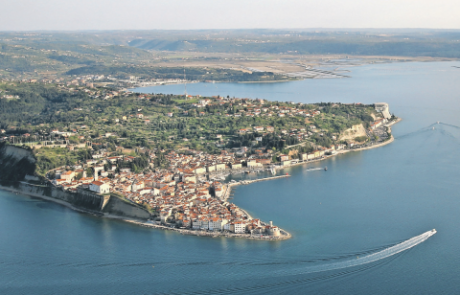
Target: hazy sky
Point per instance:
(226, 14)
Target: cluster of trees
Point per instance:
(270, 141)
(139, 164)
(38, 104)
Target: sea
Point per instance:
(365, 205)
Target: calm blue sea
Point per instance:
(365, 202)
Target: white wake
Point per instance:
(313, 169)
(385, 253)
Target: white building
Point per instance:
(238, 227)
(217, 223)
(384, 109)
(68, 175)
(99, 187)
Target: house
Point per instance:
(99, 187)
(270, 128)
(236, 165)
(238, 227)
(376, 124)
(220, 166)
(310, 156)
(169, 114)
(68, 176)
(283, 157)
(286, 163)
(200, 170)
(201, 223)
(217, 223)
(252, 163)
(59, 181)
(140, 116)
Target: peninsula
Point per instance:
(167, 161)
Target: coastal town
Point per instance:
(184, 178)
(180, 196)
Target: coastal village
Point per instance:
(180, 196)
(187, 188)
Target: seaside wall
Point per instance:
(84, 200)
(17, 163)
(120, 207)
(89, 202)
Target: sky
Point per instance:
(27, 15)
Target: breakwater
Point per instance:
(228, 189)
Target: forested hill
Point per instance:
(397, 42)
(319, 46)
(38, 104)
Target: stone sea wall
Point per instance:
(83, 200)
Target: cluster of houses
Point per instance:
(178, 195)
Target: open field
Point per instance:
(280, 64)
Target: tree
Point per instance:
(89, 172)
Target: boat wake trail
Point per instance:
(450, 125)
(385, 253)
(422, 130)
(313, 169)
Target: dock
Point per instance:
(244, 182)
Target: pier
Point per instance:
(261, 179)
(230, 185)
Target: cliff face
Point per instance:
(117, 206)
(16, 163)
(353, 132)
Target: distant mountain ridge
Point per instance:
(351, 47)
